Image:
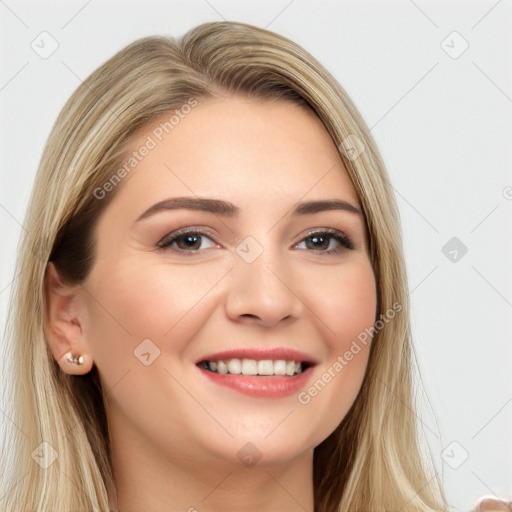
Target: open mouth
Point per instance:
(253, 367)
(269, 373)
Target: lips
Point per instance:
(260, 386)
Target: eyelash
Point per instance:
(339, 236)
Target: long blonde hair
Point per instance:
(373, 461)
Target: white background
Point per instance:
(441, 123)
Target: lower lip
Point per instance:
(271, 386)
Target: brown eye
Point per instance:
(320, 241)
(186, 241)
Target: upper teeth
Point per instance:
(253, 367)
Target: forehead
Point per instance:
(233, 146)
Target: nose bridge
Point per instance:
(261, 285)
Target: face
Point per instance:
(258, 279)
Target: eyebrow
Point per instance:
(227, 209)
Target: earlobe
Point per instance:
(63, 327)
(75, 364)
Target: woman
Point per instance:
(212, 310)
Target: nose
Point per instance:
(263, 292)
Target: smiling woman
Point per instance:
(224, 326)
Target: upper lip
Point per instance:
(261, 353)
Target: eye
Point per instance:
(326, 241)
(190, 242)
(186, 241)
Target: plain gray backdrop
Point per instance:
(433, 81)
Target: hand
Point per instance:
(493, 505)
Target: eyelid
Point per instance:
(332, 231)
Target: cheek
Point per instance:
(346, 303)
(131, 303)
(345, 300)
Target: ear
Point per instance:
(63, 324)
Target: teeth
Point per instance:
(234, 366)
(280, 367)
(249, 367)
(290, 367)
(221, 367)
(253, 367)
(265, 367)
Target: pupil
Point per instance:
(316, 239)
(190, 240)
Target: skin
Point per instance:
(493, 505)
(175, 434)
